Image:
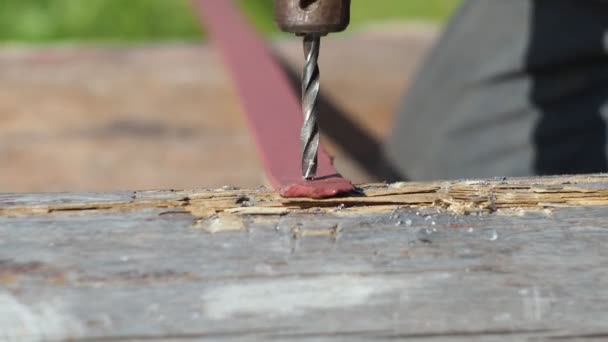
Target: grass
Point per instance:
(35, 21)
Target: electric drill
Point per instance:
(311, 19)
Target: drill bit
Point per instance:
(309, 135)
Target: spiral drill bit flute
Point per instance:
(311, 19)
(310, 92)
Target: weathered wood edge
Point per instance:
(461, 197)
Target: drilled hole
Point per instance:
(305, 4)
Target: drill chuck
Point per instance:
(318, 17)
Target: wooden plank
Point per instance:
(244, 264)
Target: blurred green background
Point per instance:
(41, 21)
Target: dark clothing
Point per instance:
(513, 88)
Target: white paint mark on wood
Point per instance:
(536, 305)
(42, 322)
(222, 223)
(297, 296)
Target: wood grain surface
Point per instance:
(492, 260)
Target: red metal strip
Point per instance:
(273, 111)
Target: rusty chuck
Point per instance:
(318, 17)
(311, 19)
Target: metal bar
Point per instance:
(272, 109)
